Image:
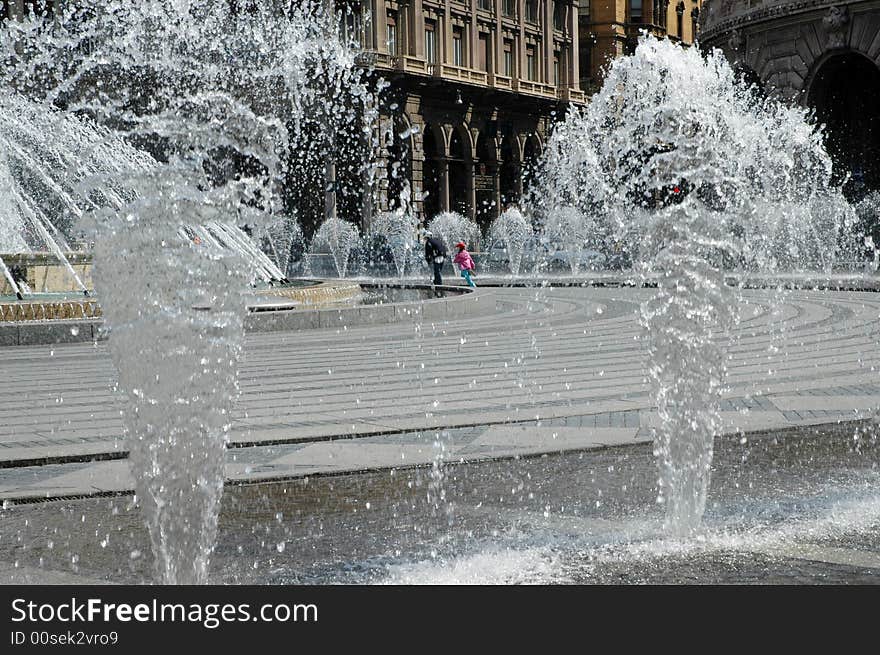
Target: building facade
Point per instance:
(817, 53)
(610, 28)
(474, 88)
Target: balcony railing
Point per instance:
(567, 94)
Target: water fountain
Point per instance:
(398, 231)
(284, 239)
(452, 227)
(338, 239)
(670, 144)
(513, 230)
(218, 98)
(714, 177)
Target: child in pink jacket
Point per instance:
(465, 262)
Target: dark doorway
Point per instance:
(531, 154)
(399, 167)
(430, 174)
(509, 171)
(458, 174)
(846, 96)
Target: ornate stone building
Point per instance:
(610, 28)
(474, 86)
(821, 54)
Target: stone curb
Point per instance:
(462, 303)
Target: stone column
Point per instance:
(522, 71)
(498, 64)
(443, 175)
(417, 48)
(547, 25)
(474, 35)
(470, 189)
(574, 50)
(446, 55)
(496, 180)
(380, 23)
(520, 155)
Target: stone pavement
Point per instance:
(554, 368)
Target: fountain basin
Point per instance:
(302, 305)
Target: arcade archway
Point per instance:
(845, 92)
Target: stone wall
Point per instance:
(785, 43)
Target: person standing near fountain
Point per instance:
(435, 254)
(465, 263)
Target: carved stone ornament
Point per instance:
(834, 23)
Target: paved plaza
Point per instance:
(553, 369)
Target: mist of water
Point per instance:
(711, 177)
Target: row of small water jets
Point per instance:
(392, 241)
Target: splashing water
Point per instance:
(337, 238)
(713, 178)
(175, 311)
(235, 109)
(513, 230)
(398, 228)
(451, 227)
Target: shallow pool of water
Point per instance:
(795, 507)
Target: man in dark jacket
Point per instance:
(435, 254)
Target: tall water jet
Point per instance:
(219, 97)
(175, 313)
(513, 230)
(713, 177)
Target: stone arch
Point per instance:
(460, 159)
(843, 88)
(510, 180)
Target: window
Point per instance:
(558, 15)
(556, 79)
(485, 4)
(351, 26)
(431, 42)
(660, 11)
(391, 33)
(585, 63)
(458, 46)
(508, 7)
(509, 69)
(635, 11)
(484, 53)
(532, 11)
(531, 63)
